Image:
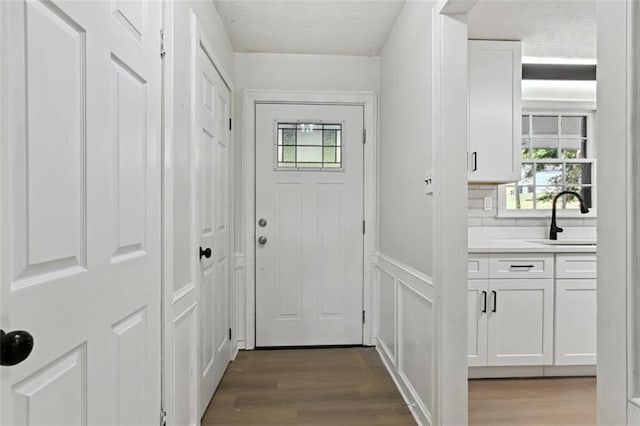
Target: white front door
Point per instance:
(309, 224)
(212, 144)
(80, 212)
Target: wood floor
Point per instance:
(533, 402)
(334, 386)
(350, 386)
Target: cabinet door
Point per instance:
(575, 326)
(520, 325)
(477, 305)
(495, 123)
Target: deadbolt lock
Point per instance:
(262, 223)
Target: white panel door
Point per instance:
(80, 213)
(478, 305)
(212, 143)
(520, 328)
(309, 214)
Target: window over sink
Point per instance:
(558, 153)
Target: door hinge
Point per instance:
(163, 41)
(364, 226)
(364, 317)
(163, 417)
(229, 334)
(229, 124)
(364, 135)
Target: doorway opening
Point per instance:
(310, 217)
(531, 301)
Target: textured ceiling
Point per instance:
(341, 27)
(558, 29)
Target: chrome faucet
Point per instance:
(555, 229)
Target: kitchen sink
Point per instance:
(566, 242)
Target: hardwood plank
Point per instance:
(533, 402)
(337, 386)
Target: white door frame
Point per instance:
(450, 141)
(182, 297)
(618, 129)
(366, 99)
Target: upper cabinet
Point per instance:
(495, 75)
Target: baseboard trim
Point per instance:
(420, 415)
(531, 371)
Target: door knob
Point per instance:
(262, 240)
(205, 252)
(15, 346)
(262, 223)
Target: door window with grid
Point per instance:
(557, 154)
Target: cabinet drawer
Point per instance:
(478, 266)
(521, 266)
(576, 266)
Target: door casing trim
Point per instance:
(368, 100)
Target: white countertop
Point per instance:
(512, 245)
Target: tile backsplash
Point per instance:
(478, 217)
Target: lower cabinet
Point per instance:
(575, 325)
(532, 310)
(510, 322)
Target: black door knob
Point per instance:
(15, 346)
(205, 252)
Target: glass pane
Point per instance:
(544, 196)
(572, 202)
(549, 175)
(525, 147)
(526, 177)
(309, 145)
(329, 154)
(545, 125)
(574, 126)
(519, 198)
(578, 175)
(309, 134)
(544, 148)
(289, 154)
(288, 137)
(330, 137)
(525, 125)
(308, 154)
(574, 148)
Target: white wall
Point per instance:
(273, 71)
(405, 291)
(181, 324)
(405, 140)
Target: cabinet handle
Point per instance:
(521, 266)
(484, 302)
(495, 301)
(474, 161)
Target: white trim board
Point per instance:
(249, 99)
(450, 141)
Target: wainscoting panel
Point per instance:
(405, 332)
